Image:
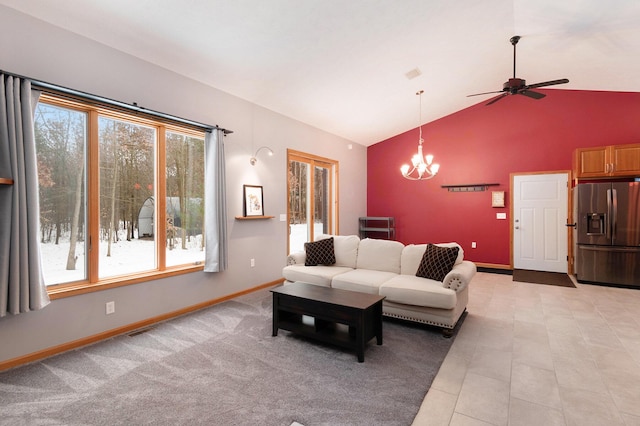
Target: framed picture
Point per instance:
(253, 201)
(497, 199)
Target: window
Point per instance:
(127, 179)
(185, 199)
(121, 196)
(61, 139)
(313, 200)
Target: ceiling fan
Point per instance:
(518, 86)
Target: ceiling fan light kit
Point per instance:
(518, 86)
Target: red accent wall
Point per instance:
(484, 144)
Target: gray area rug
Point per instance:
(221, 366)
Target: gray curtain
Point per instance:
(215, 203)
(22, 287)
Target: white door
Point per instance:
(539, 222)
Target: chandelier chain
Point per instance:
(420, 115)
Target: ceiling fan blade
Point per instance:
(496, 99)
(547, 83)
(486, 93)
(518, 86)
(532, 94)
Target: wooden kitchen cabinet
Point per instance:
(607, 161)
(625, 160)
(591, 162)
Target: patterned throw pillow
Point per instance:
(320, 252)
(437, 262)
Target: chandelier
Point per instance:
(423, 166)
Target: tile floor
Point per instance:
(531, 354)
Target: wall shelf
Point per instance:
(254, 217)
(6, 181)
(470, 187)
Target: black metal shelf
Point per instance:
(372, 226)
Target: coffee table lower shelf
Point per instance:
(324, 331)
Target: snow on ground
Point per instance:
(298, 235)
(127, 257)
(137, 255)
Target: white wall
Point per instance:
(38, 50)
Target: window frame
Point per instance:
(94, 110)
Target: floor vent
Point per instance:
(140, 331)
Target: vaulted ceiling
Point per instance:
(352, 68)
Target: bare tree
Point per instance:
(298, 192)
(114, 184)
(71, 257)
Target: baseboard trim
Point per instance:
(89, 340)
(495, 268)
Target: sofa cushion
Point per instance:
(319, 275)
(437, 262)
(412, 256)
(361, 280)
(379, 255)
(319, 253)
(345, 248)
(417, 291)
(460, 257)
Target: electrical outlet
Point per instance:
(110, 307)
(473, 244)
(253, 263)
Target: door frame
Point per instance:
(570, 229)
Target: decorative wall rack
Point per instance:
(470, 187)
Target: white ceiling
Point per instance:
(341, 65)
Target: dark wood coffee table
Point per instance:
(328, 307)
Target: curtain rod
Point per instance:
(111, 102)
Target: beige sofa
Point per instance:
(388, 268)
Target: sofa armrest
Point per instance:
(460, 276)
(297, 258)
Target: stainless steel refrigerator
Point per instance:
(608, 233)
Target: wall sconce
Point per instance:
(253, 160)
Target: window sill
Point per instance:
(61, 291)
